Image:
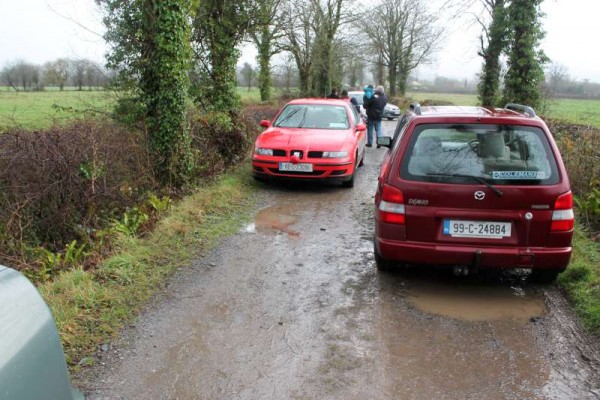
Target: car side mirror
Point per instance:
(361, 127)
(385, 141)
(266, 123)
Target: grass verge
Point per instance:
(581, 280)
(91, 306)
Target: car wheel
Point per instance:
(390, 119)
(544, 275)
(381, 263)
(349, 183)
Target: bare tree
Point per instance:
(557, 75)
(248, 74)
(57, 72)
(10, 76)
(405, 37)
(79, 68)
(298, 16)
(310, 28)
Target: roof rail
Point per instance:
(521, 108)
(416, 108)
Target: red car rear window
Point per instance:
(499, 154)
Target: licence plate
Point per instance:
(477, 229)
(300, 167)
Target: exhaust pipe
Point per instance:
(460, 270)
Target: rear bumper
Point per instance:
(480, 256)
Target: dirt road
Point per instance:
(292, 307)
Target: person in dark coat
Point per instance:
(352, 100)
(334, 94)
(374, 108)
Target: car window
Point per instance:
(355, 115)
(313, 116)
(499, 154)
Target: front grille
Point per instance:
(279, 153)
(299, 152)
(315, 154)
(339, 172)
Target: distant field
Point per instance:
(584, 112)
(35, 110)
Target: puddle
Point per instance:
(273, 219)
(476, 303)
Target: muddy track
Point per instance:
(292, 307)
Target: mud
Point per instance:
(292, 307)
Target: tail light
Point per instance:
(563, 218)
(391, 206)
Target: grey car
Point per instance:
(32, 363)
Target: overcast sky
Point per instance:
(42, 30)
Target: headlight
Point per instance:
(263, 152)
(335, 154)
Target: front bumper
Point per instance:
(330, 171)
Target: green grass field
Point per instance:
(575, 111)
(36, 110)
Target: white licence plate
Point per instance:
(300, 167)
(477, 229)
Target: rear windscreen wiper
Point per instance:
(476, 178)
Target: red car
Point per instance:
(471, 187)
(311, 139)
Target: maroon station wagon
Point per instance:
(472, 187)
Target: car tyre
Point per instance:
(390, 119)
(349, 183)
(544, 276)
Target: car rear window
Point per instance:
(499, 154)
(313, 116)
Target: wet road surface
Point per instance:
(292, 307)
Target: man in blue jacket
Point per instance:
(374, 107)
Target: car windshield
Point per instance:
(313, 116)
(498, 154)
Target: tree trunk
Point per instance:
(264, 62)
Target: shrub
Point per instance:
(580, 149)
(65, 183)
(220, 140)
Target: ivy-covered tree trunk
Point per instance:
(264, 63)
(164, 84)
(151, 50)
(321, 71)
(525, 75)
(489, 85)
(219, 27)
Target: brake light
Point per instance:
(391, 206)
(563, 218)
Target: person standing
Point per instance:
(352, 100)
(334, 94)
(374, 108)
